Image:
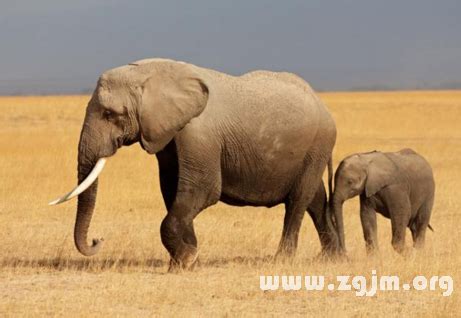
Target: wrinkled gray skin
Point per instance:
(398, 185)
(260, 139)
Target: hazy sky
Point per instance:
(57, 46)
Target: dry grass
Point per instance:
(41, 272)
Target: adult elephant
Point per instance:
(260, 139)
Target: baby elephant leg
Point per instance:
(420, 224)
(400, 211)
(368, 220)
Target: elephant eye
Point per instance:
(107, 114)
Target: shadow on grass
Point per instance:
(121, 264)
(244, 260)
(271, 259)
(97, 265)
(59, 263)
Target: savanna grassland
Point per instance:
(42, 273)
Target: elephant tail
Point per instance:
(430, 228)
(330, 177)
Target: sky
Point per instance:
(59, 46)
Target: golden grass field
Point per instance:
(42, 273)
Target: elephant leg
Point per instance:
(186, 191)
(325, 239)
(294, 213)
(296, 204)
(169, 173)
(369, 226)
(189, 235)
(421, 222)
(419, 237)
(169, 170)
(318, 212)
(177, 231)
(400, 211)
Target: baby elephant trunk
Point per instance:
(337, 207)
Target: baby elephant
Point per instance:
(399, 185)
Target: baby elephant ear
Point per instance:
(171, 96)
(381, 173)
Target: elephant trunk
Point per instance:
(337, 207)
(330, 238)
(85, 208)
(86, 200)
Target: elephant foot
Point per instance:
(184, 259)
(283, 256)
(409, 253)
(400, 248)
(327, 255)
(372, 252)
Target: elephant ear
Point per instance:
(381, 172)
(171, 96)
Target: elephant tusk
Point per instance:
(85, 184)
